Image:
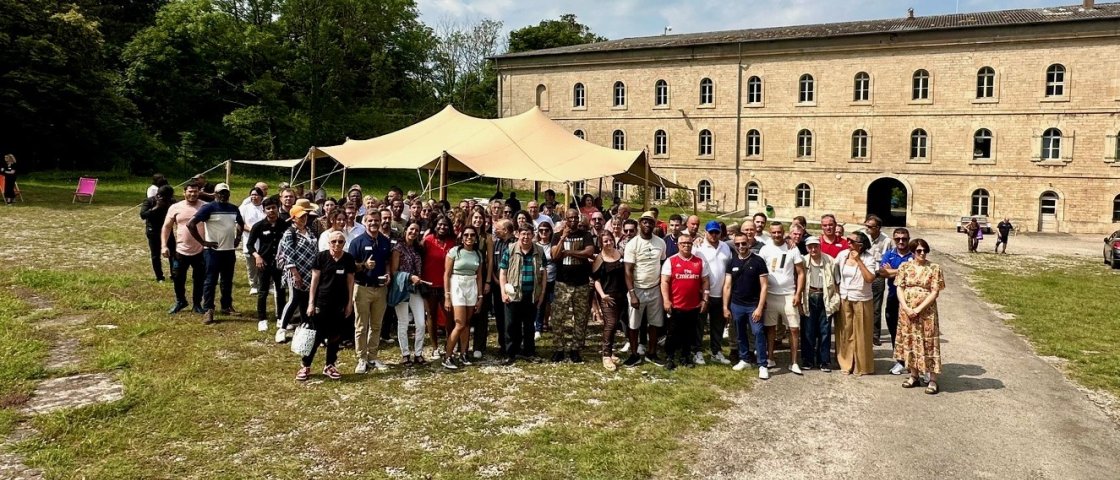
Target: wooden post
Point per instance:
(311, 158)
(601, 188)
(695, 202)
(537, 191)
(645, 198)
(229, 170)
(443, 176)
(344, 192)
(567, 198)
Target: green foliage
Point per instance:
(551, 34)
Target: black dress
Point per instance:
(331, 296)
(9, 173)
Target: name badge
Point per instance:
(267, 232)
(340, 272)
(736, 269)
(394, 242)
(369, 248)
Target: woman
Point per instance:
(480, 319)
(325, 221)
(296, 255)
(610, 285)
(406, 258)
(587, 205)
(9, 173)
(521, 218)
(544, 240)
(919, 283)
(158, 180)
(853, 328)
(463, 278)
(332, 288)
(337, 222)
(435, 247)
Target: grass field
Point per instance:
(219, 401)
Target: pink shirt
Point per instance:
(181, 213)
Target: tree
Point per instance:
(551, 34)
(461, 74)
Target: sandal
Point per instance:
(419, 360)
(911, 382)
(932, 388)
(406, 360)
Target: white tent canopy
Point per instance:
(289, 163)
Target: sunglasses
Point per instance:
(742, 244)
(469, 235)
(685, 243)
(919, 250)
(338, 242)
(628, 232)
(902, 239)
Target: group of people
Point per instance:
(360, 267)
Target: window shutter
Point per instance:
(992, 150)
(1067, 146)
(929, 146)
(1036, 146)
(1110, 148)
(869, 149)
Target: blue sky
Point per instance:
(637, 18)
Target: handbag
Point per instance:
(303, 340)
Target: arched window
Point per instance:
(805, 86)
(705, 142)
(754, 90)
(659, 192)
(753, 195)
(579, 96)
(804, 144)
(754, 143)
(919, 144)
(920, 89)
(1048, 203)
(980, 200)
(580, 134)
(1051, 144)
(619, 94)
(618, 189)
(618, 140)
(1116, 209)
(704, 191)
(707, 92)
(660, 143)
(542, 97)
(982, 144)
(861, 91)
(661, 93)
(986, 83)
(1055, 80)
(804, 196)
(859, 144)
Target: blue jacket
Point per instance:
(401, 287)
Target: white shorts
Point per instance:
(464, 290)
(779, 308)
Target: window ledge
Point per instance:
(619, 107)
(804, 159)
(580, 109)
(661, 107)
(1054, 99)
(918, 160)
(982, 161)
(760, 104)
(753, 158)
(1052, 162)
(860, 160)
(805, 104)
(924, 101)
(706, 157)
(861, 103)
(706, 106)
(661, 156)
(981, 101)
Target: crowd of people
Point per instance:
(363, 268)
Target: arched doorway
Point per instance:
(887, 197)
(754, 199)
(1048, 212)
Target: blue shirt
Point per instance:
(892, 259)
(380, 249)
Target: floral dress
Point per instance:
(919, 339)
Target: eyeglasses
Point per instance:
(338, 242)
(628, 232)
(507, 212)
(685, 243)
(742, 244)
(872, 226)
(920, 250)
(469, 235)
(902, 239)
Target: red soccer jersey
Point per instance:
(834, 249)
(686, 281)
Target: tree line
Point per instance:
(136, 84)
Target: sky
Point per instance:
(616, 19)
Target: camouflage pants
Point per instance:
(570, 314)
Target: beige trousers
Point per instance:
(853, 337)
(369, 310)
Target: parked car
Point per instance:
(985, 226)
(1112, 249)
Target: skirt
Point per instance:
(464, 290)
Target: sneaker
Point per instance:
(741, 366)
(698, 358)
(897, 369)
(771, 364)
(252, 291)
(303, 373)
(198, 309)
(632, 361)
(509, 361)
(376, 364)
(281, 335)
(625, 348)
(557, 356)
(436, 354)
(795, 368)
(608, 364)
(641, 349)
(464, 362)
(661, 341)
(654, 359)
(670, 364)
(876, 341)
(477, 354)
(208, 317)
(178, 307)
(763, 373)
(720, 359)
(262, 326)
(575, 356)
(537, 336)
(448, 364)
(362, 367)
(331, 372)
(229, 311)
(826, 369)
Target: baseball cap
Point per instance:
(220, 187)
(712, 226)
(297, 211)
(812, 240)
(649, 214)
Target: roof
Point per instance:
(1001, 18)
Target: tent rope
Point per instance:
(138, 205)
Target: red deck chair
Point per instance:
(86, 188)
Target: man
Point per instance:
(832, 242)
(873, 226)
(397, 223)
(684, 293)
(223, 234)
(676, 223)
(385, 222)
(1004, 228)
(621, 217)
(716, 255)
(550, 202)
(822, 279)
(513, 203)
(354, 197)
(371, 252)
(598, 224)
(262, 186)
(548, 211)
(154, 212)
(796, 238)
(629, 231)
(188, 251)
(252, 213)
(495, 215)
(496, 246)
(415, 207)
(522, 269)
(664, 227)
(205, 188)
(642, 259)
(389, 321)
(353, 228)
(888, 270)
(537, 216)
(973, 232)
(263, 243)
(692, 226)
(786, 277)
(744, 293)
(573, 249)
(287, 201)
(759, 220)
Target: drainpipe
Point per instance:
(739, 129)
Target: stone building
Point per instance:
(921, 120)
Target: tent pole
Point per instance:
(601, 188)
(443, 176)
(695, 202)
(312, 159)
(537, 191)
(343, 191)
(229, 170)
(645, 198)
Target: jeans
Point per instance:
(155, 245)
(892, 318)
(482, 325)
(219, 273)
(415, 303)
(270, 276)
(682, 333)
(741, 315)
(878, 290)
(179, 265)
(549, 296)
(296, 305)
(520, 317)
(254, 275)
(816, 334)
(716, 324)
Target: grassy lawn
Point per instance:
(1066, 306)
(219, 401)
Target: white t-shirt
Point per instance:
(251, 214)
(152, 191)
(781, 261)
(716, 259)
(325, 244)
(646, 255)
(878, 247)
(852, 286)
(542, 218)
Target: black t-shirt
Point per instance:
(333, 288)
(572, 270)
(612, 276)
(1004, 229)
(745, 274)
(264, 239)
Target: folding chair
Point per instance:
(86, 187)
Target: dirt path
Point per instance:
(1003, 412)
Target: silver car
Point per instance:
(1112, 249)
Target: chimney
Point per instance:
(910, 11)
(1088, 4)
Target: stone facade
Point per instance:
(939, 188)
